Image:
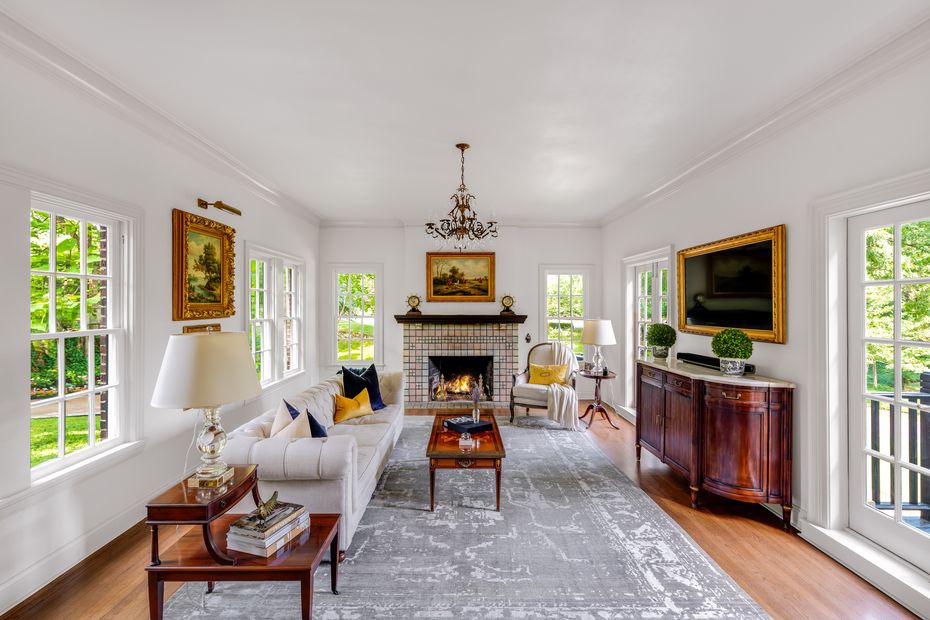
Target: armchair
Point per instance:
(525, 394)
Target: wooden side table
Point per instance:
(184, 505)
(597, 405)
(203, 556)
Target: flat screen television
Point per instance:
(735, 282)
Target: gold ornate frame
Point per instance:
(182, 309)
(431, 256)
(775, 234)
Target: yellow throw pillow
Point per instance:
(348, 408)
(547, 375)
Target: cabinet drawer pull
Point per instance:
(738, 396)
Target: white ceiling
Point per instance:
(573, 109)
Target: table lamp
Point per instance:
(598, 332)
(204, 371)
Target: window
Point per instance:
(275, 314)
(565, 308)
(77, 330)
(651, 301)
(356, 315)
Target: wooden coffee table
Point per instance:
(444, 452)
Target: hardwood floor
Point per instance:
(804, 583)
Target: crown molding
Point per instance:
(41, 54)
(876, 64)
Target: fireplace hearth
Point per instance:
(454, 377)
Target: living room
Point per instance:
(609, 144)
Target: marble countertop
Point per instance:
(708, 374)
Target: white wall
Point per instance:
(877, 134)
(51, 130)
(519, 253)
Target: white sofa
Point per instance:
(330, 474)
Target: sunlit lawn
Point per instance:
(44, 436)
(348, 345)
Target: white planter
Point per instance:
(732, 366)
(660, 352)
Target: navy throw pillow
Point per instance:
(316, 429)
(353, 384)
(294, 413)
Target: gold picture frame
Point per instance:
(203, 327)
(776, 235)
(203, 267)
(460, 276)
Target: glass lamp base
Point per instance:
(210, 443)
(597, 360)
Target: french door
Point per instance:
(889, 379)
(651, 302)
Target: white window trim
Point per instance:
(627, 342)
(824, 481)
(128, 277)
(277, 261)
(334, 270)
(587, 273)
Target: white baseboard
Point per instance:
(900, 580)
(38, 575)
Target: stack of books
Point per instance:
(252, 535)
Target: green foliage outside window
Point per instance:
(355, 323)
(880, 304)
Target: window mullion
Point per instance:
(63, 405)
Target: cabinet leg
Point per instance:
(786, 517)
(639, 451)
(210, 586)
(694, 496)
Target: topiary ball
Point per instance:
(660, 335)
(732, 343)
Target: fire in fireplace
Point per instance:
(453, 377)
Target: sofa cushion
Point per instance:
(531, 393)
(354, 383)
(385, 416)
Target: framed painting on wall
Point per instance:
(460, 276)
(203, 267)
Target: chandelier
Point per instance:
(461, 228)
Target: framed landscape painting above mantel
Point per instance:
(735, 282)
(460, 276)
(203, 267)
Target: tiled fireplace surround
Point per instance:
(422, 340)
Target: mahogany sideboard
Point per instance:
(727, 435)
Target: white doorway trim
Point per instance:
(823, 437)
(628, 286)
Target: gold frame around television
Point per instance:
(775, 234)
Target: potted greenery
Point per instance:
(660, 337)
(733, 347)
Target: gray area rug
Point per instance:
(574, 539)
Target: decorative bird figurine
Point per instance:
(264, 510)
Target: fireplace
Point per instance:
(453, 377)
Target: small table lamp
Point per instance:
(598, 332)
(206, 370)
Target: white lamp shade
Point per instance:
(598, 331)
(206, 370)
